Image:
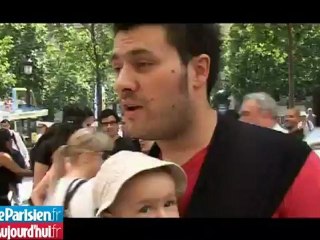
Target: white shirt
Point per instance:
(20, 146)
(81, 204)
(313, 140)
(307, 128)
(277, 127)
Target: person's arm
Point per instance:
(40, 171)
(7, 162)
(39, 193)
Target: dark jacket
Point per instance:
(247, 171)
(18, 158)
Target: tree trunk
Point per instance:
(97, 68)
(290, 66)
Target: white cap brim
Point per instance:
(123, 166)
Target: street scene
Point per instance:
(161, 120)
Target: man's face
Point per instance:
(110, 126)
(152, 84)
(292, 118)
(5, 125)
(250, 112)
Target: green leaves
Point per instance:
(65, 66)
(6, 78)
(256, 59)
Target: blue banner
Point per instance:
(34, 214)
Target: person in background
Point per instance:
(75, 163)
(18, 143)
(47, 135)
(74, 118)
(297, 123)
(42, 128)
(305, 124)
(88, 116)
(164, 77)
(9, 169)
(313, 139)
(260, 109)
(15, 185)
(291, 121)
(109, 121)
(311, 116)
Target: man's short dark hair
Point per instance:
(76, 113)
(190, 40)
(5, 121)
(107, 113)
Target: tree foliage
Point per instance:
(256, 58)
(67, 58)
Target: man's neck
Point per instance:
(196, 138)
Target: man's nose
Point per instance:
(126, 81)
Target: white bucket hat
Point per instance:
(121, 167)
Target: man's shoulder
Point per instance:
(257, 138)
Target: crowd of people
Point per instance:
(171, 154)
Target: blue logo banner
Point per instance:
(31, 214)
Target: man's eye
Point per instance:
(144, 209)
(170, 203)
(117, 69)
(142, 65)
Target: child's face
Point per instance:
(149, 194)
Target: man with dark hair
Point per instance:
(109, 121)
(78, 115)
(165, 73)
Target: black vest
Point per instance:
(247, 171)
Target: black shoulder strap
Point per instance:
(70, 193)
(247, 171)
(154, 151)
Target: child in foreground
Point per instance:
(132, 184)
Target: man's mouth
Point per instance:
(131, 108)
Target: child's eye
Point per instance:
(170, 203)
(144, 209)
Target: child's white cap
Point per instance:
(121, 167)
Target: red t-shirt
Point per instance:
(302, 199)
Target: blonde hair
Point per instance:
(82, 141)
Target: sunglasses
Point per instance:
(111, 123)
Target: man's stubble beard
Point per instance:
(173, 122)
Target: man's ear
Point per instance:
(200, 70)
